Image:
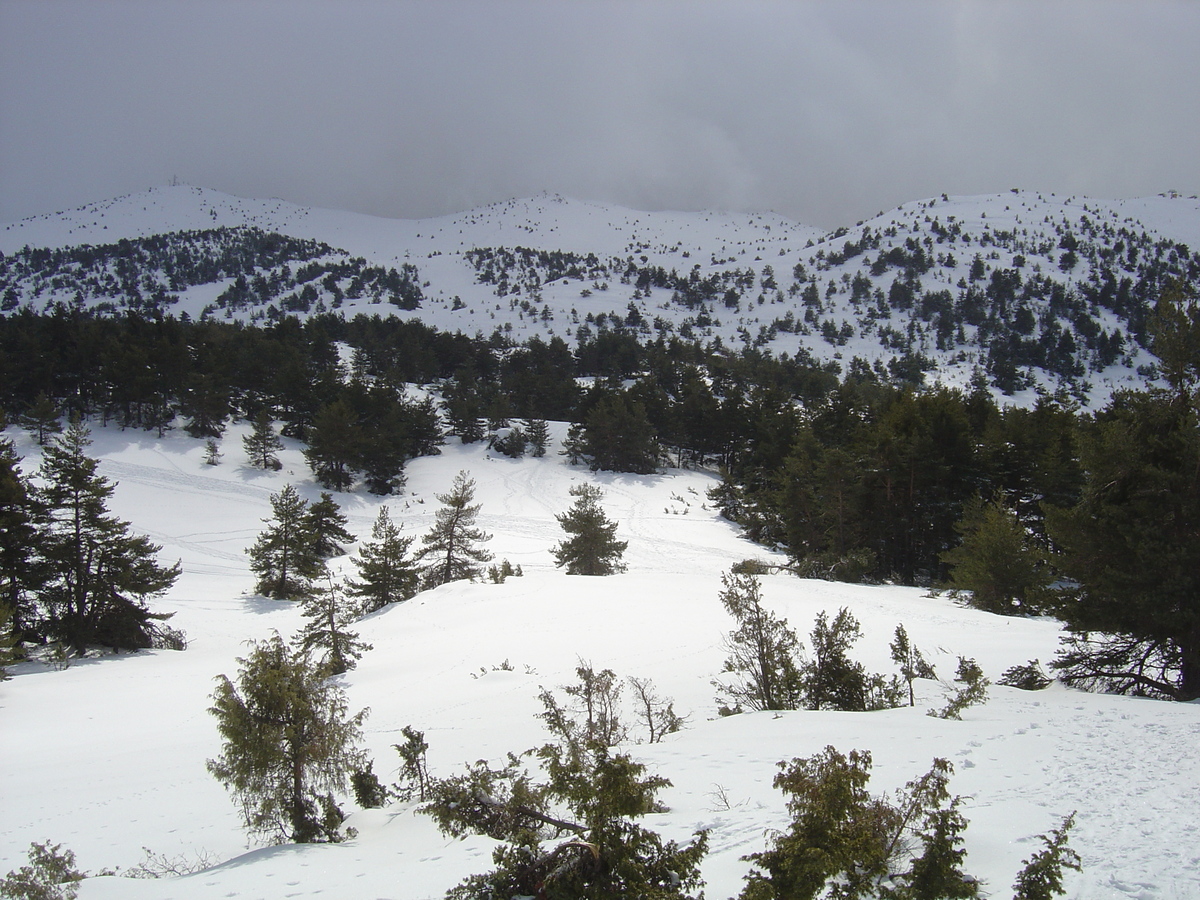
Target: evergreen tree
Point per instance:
(288, 744)
(42, 420)
(763, 650)
(538, 434)
(10, 648)
(212, 453)
(845, 843)
(327, 525)
(21, 574)
(386, 573)
(592, 547)
(99, 575)
(452, 546)
(284, 557)
(205, 404)
(329, 614)
(262, 443)
(996, 561)
(619, 437)
(334, 445)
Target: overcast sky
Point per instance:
(825, 112)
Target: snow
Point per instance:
(107, 757)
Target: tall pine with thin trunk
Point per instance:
(452, 547)
(327, 630)
(285, 557)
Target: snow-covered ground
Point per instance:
(107, 757)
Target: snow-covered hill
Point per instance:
(1024, 289)
(107, 757)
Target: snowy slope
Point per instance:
(107, 757)
(766, 260)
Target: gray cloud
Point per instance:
(826, 112)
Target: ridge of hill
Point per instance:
(1029, 292)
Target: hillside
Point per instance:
(1022, 290)
(107, 756)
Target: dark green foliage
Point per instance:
(43, 419)
(538, 434)
(98, 575)
(1041, 877)
(334, 442)
(21, 572)
(327, 525)
(50, 875)
(912, 663)
(1132, 544)
(996, 561)
(844, 844)
(452, 545)
(762, 649)
(10, 651)
(973, 690)
(369, 792)
(589, 793)
(288, 744)
(326, 631)
(262, 444)
(414, 781)
(386, 573)
(831, 680)
(618, 436)
(284, 557)
(591, 547)
(1029, 677)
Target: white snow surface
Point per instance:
(108, 756)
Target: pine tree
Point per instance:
(996, 560)
(452, 546)
(284, 557)
(99, 575)
(386, 573)
(212, 453)
(327, 525)
(329, 614)
(334, 445)
(262, 443)
(538, 434)
(288, 744)
(43, 419)
(21, 573)
(592, 548)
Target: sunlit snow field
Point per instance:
(108, 756)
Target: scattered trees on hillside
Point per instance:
(592, 547)
(288, 744)
(452, 550)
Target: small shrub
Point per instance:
(973, 690)
(50, 875)
(1029, 677)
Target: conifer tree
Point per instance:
(592, 547)
(288, 744)
(262, 444)
(996, 561)
(99, 575)
(327, 524)
(452, 546)
(20, 571)
(42, 420)
(386, 573)
(538, 434)
(284, 557)
(329, 614)
(763, 650)
(334, 445)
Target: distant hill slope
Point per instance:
(1022, 289)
